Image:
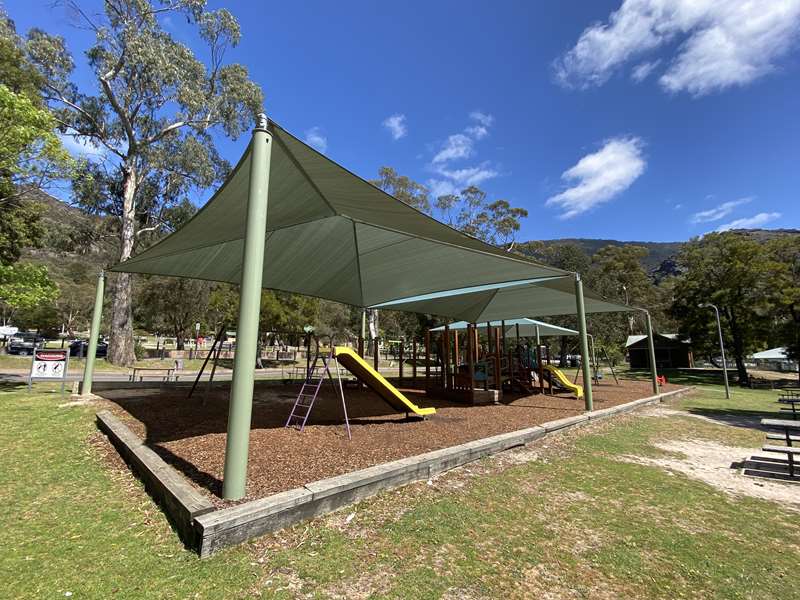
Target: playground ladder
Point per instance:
(306, 398)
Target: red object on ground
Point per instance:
(661, 379)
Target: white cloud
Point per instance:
(441, 187)
(719, 43)
(316, 139)
(758, 220)
(469, 175)
(455, 147)
(598, 177)
(82, 147)
(460, 146)
(396, 124)
(642, 70)
(719, 212)
(483, 118)
(482, 124)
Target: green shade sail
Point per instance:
(535, 298)
(329, 234)
(527, 327)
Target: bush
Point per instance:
(138, 350)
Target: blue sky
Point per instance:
(639, 120)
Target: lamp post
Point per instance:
(721, 346)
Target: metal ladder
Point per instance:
(305, 400)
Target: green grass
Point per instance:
(575, 522)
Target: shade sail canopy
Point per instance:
(535, 298)
(329, 234)
(527, 327)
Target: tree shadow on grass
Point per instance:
(12, 386)
(747, 419)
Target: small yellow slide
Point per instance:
(375, 381)
(564, 382)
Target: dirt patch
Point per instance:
(190, 434)
(711, 463)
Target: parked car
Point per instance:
(81, 348)
(24, 343)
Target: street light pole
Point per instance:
(721, 347)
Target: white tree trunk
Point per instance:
(120, 347)
(372, 320)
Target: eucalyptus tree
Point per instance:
(150, 120)
(495, 222)
(727, 270)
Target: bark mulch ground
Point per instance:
(190, 434)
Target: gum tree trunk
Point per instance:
(120, 346)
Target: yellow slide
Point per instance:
(375, 381)
(564, 382)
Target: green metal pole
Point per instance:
(241, 402)
(94, 333)
(652, 349)
(587, 368)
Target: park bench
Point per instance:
(166, 373)
(790, 396)
(787, 427)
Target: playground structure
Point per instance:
(478, 369)
(286, 201)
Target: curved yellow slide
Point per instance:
(565, 383)
(375, 381)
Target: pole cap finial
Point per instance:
(261, 122)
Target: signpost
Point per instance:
(49, 365)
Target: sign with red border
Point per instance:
(49, 365)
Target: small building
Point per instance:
(774, 359)
(671, 351)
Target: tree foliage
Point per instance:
(172, 304)
(495, 222)
(24, 286)
(403, 188)
(150, 120)
(727, 270)
(31, 154)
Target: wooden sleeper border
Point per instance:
(206, 529)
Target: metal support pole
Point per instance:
(587, 369)
(594, 359)
(427, 359)
(414, 360)
(721, 349)
(400, 366)
(652, 350)
(456, 353)
(446, 357)
(471, 361)
(241, 402)
(538, 337)
(94, 334)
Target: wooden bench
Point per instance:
(780, 436)
(792, 409)
(789, 451)
(168, 373)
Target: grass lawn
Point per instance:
(568, 518)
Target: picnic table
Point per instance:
(168, 373)
(790, 396)
(787, 427)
